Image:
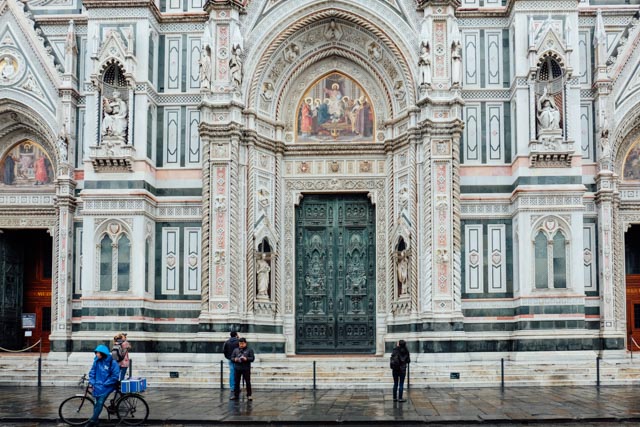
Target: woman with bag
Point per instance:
(399, 360)
(120, 353)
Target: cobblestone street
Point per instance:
(513, 406)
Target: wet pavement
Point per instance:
(22, 406)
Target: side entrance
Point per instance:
(25, 287)
(335, 274)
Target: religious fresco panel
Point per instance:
(334, 109)
(27, 164)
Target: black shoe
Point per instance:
(249, 398)
(402, 400)
(233, 398)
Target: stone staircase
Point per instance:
(336, 372)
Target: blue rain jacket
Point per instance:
(105, 372)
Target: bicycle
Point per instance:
(129, 408)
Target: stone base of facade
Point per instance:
(337, 372)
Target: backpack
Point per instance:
(394, 362)
(119, 353)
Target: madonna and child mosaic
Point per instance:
(335, 109)
(26, 164)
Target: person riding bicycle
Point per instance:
(103, 378)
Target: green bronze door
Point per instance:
(335, 274)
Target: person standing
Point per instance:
(242, 357)
(120, 353)
(399, 360)
(228, 347)
(103, 379)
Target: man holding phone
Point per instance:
(242, 358)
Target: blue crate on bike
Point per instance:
(133, 385)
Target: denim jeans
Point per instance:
(98, 408)
(398, 383)
(123, 372)
(232, 375)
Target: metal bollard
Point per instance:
(408, 376)
(130, 368)
(221, 375)
(502, 373)
(598, 371)
(314, 374)
(40, 365)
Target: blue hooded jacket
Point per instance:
(105, 372)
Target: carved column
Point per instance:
(65, 204)
(606, 203)
(221, 225)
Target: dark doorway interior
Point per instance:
(25, 287)
(632, 266)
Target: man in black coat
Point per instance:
(228, 347)
(242, 357)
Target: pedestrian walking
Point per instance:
(228, 347)
(399, 360)
(242, 357)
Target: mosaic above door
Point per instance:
(335, 108)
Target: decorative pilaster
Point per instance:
(222, 276)
(607, 199)
(65, 204)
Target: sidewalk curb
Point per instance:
(152, 421)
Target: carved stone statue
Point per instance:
(425, 63)
(267, 91)
(205, 68)
(235, 65)
(375, 53)
(333, 31)
(114, 122)
(70, 44)
(548, 114)
(456, 63)
(63, 144)
(263, 270)
(291, 52)
(402, 269)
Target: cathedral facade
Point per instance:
(325, 177)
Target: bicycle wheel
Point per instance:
(76, 410)
(132, 409)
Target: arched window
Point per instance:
(114, 259)
(550, 260)
(542, 270)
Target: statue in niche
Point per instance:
(235, 65)
(70, 44)
(424, 62)
(456, 63)
(333, 31)
(548, 113)
(114, 122)
(402, 272)
(204, 65)
(63, 144)
(263, 270)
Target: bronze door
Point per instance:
(335, 274)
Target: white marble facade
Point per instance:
(491, 137)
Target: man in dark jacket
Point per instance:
(242, 357)
(103, 378)
(228, 347)
(400, 358)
